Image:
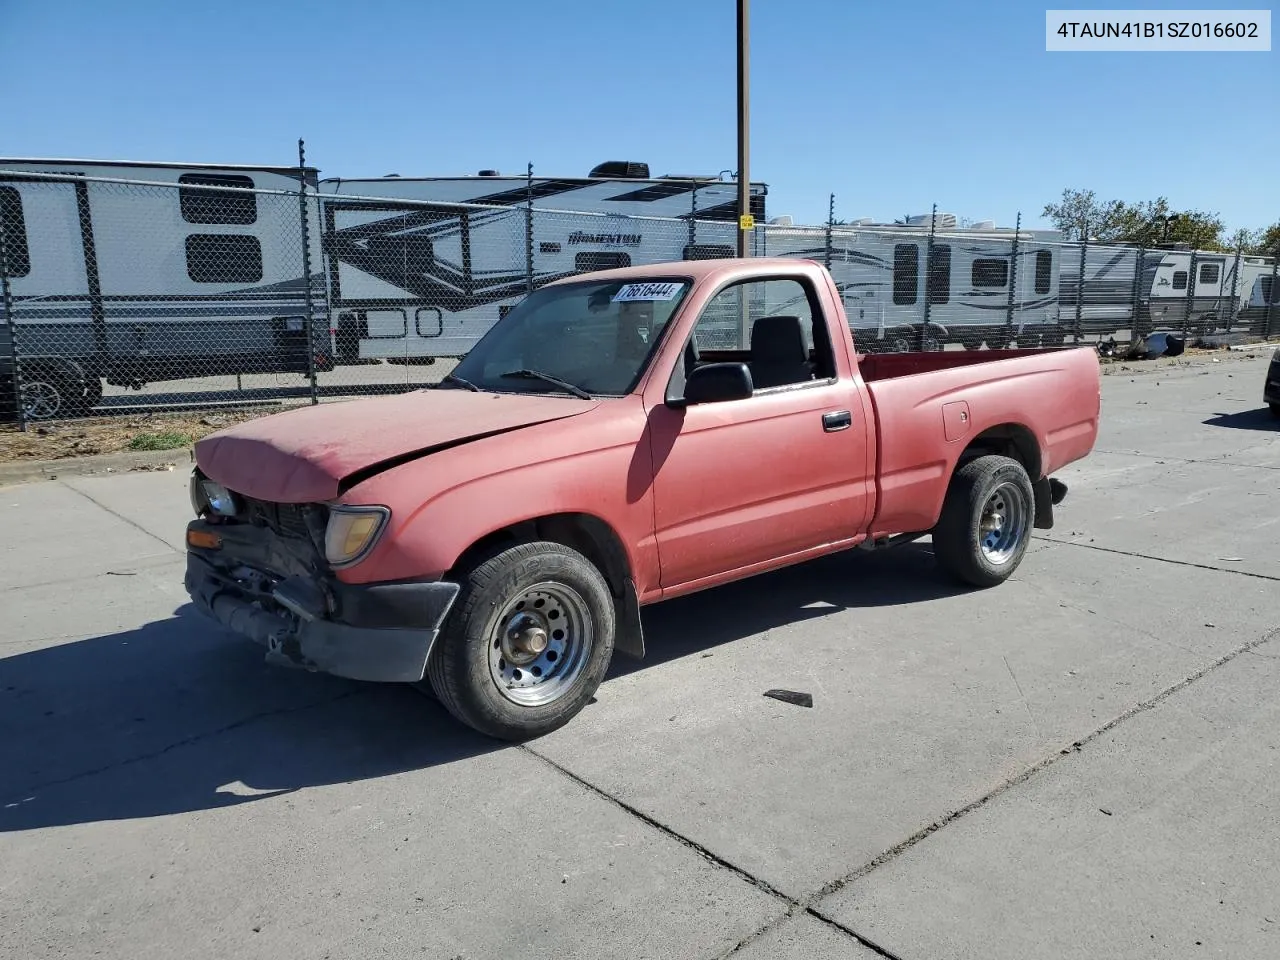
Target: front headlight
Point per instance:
(208, 496)
(352, 532)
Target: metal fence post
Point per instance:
(693, 215)
(831, 222)
(1191, 294)
(12, 322)
(928, 278)
(1013, 277)
(1233, 303)
(528, 231)
(1084, 256)
(1135, 294)
(306, 272)
(1273, 295)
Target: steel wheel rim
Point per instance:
(541, 645)
(1002, 524)
(40, 400)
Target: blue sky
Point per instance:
(893, 106)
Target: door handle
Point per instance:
(840, 420)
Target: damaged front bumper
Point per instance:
(378, 632)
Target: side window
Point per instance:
(707, 251)
(906, 274)
(600, 260)
(1044, 271)
(15, 232)
(990, 273)
(224, 258)
(772, 324)
(213, 205)
(1179, 279)
(940, 275)
(1208, 273)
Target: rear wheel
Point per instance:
(986, 522)
(1275, 409)
(527, 643)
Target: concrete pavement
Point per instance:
(163, 792)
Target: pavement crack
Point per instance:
(1075, 747)
(1147, 556)
(120, 516)
(793, 905)
(1027, 706)
(176, 745)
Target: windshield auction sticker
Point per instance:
(1149, 31)
(647, 291)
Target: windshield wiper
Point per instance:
(548, 378)
(451, 378)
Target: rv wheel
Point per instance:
(971, 343)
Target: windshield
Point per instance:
(593, 336)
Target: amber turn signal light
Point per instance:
(203, 539)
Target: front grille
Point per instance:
(285, 519)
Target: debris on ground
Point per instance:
(792, 697)
(83, 438)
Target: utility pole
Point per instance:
(745, 220)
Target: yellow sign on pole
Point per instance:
(746, 222)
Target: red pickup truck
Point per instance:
(617, 439)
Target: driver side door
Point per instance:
(741, 484)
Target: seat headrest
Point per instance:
(778, 337)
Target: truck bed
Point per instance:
(929, 407)
(889, 366)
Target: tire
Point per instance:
(1275, 409)
(971, 343)
(48, 395)
(479, 671)
(963, 550)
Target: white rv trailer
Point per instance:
(185, 272)
(974, 290)
(414, 275)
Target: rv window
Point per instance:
(224, 258)
(15, 232)
(940, 275)
(1268, 285)
(906, 273)
(990, 273)
(707, 251)
(1208, 273)
(216, 206)
(1179, 279)
(1044, 271)
(586, 262)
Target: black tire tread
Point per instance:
(956, 544)
(450, 674)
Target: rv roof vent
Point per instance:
(620, 170)
(945, 220)
(488, 173)
(864, 221)
(985, 225)
(783, 221)
(386, 175)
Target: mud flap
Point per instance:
(630, 632)
(1049, 492)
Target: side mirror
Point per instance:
(717, 383)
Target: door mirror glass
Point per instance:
(717, 383)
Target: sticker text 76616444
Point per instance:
(647, 291)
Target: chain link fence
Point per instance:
(215, 291)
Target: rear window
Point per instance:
(1044, 271)
(15, 232)
(906, 273)
(217, 206)
(990, 273)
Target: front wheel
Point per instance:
(527, 643)
(986, 522)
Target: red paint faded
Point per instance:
(696, 496)
(301, 456)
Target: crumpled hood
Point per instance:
(303, 456)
